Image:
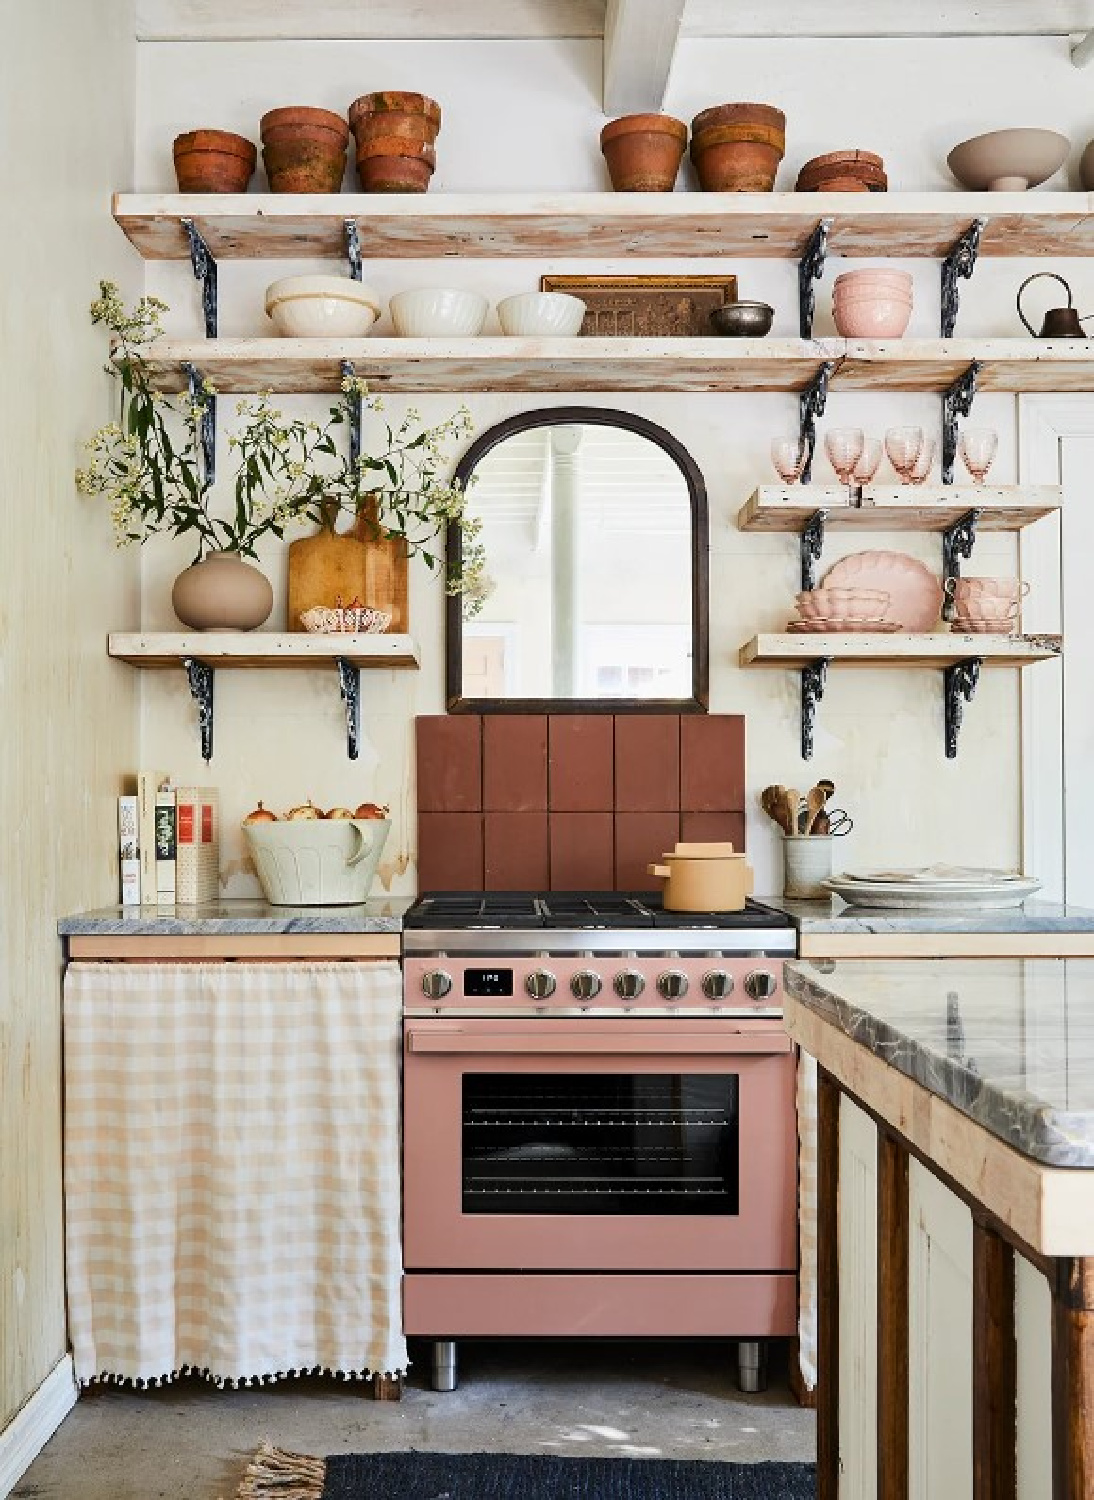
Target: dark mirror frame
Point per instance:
(598, 416)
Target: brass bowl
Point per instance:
(742, 320)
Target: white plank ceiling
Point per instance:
(213, 20)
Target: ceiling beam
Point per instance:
(366, 20)
(640, 38)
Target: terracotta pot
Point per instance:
(643, 152)
(213, 161)
(303, 115)
(739, 114)
(222, 592)
(719, 135)
(395, 166)
(394, 127)
(302, 167)
(310, 135)
(396, 107)
(737, 167)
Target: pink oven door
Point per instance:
(599, 1145)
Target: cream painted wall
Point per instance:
(527, 116)
(70, 716)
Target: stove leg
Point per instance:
(446, 1370)
(752, 1365)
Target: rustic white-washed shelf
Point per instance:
(958, 512)
(203, 653)
(275, 226)
(959, 657)
(456, 366)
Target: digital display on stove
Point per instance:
(487, 982)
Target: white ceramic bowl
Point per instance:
(315, 307)
(317, 861)
(438, 313)
(541, 315)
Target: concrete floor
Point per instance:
(190, 1441)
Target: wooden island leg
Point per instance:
(994, 1368)
(386, 1387)
(892, 1318)
(1073, 1380)
(828, 1097)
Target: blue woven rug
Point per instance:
(504, 1476)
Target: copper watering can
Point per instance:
(1060, 322)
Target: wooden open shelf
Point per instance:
(862, 650)
(263, 649)
(926, 507)
(280, 226)
(458, 366)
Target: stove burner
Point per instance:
(573, 910)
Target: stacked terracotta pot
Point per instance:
(213, 161)
(643, 152)
(737, 148)
(843, 172)
(395, 134)
(304, 150)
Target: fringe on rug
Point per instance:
(275, 1474)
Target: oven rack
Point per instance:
(644, 1118)
(608, 1187)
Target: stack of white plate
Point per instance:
(934, 886)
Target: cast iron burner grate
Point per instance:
(573, 910)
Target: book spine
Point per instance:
(147, 786)
(165, 846)
(129, 865)
(198, 870)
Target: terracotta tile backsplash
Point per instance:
(571, 801)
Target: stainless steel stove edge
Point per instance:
(741, 942)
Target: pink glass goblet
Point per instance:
(869, 462)
(978, 447)
(920, 471)
(844, 446)
(903, 445)
(788, 455)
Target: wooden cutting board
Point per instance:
(333, 565)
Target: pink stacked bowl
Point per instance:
(872, 303)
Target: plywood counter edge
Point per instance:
(259, 946)
(1051, 1209)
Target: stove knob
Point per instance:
(761, 984)
(585, 985)
(436, 984)
(717, 984)
(540, 985)
(673, 984)
(629, 984)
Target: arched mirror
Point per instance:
(594, 596)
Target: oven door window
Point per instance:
(651, 1143)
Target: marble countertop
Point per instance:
(833, 915)
(231, 918)
(1009, 1042)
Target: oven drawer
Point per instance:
(609, 1145)
(664, 1306)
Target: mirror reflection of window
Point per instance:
(587, 531)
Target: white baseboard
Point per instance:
(34, 1424)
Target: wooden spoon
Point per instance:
(772, 800)
(814, 806)
(792, 802)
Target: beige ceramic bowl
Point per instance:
(549, 315)
(438, 313)
(316, 307)
(1008, 161)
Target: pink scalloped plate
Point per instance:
(819, 626)
(915, 594)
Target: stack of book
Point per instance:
(168, 843)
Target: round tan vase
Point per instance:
(222, 592)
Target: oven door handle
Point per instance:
(571, 1043)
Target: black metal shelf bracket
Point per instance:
(957, 542)
(200, 677)
(205, 271)
(811, 269)
(349, 681)
(207, 430)
(959, 264)
(956, 402)
(349, 372)
(958, 687)
(814, 674)
(353, 248)
(811, 406)
(812, 545)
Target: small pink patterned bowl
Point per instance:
(872, 279)
(842, 604)
(884, 316)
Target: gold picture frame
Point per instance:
(644, 307)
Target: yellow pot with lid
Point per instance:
(704, 877)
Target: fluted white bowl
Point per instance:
(541, 315)
(315, 307)
(438, 313)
